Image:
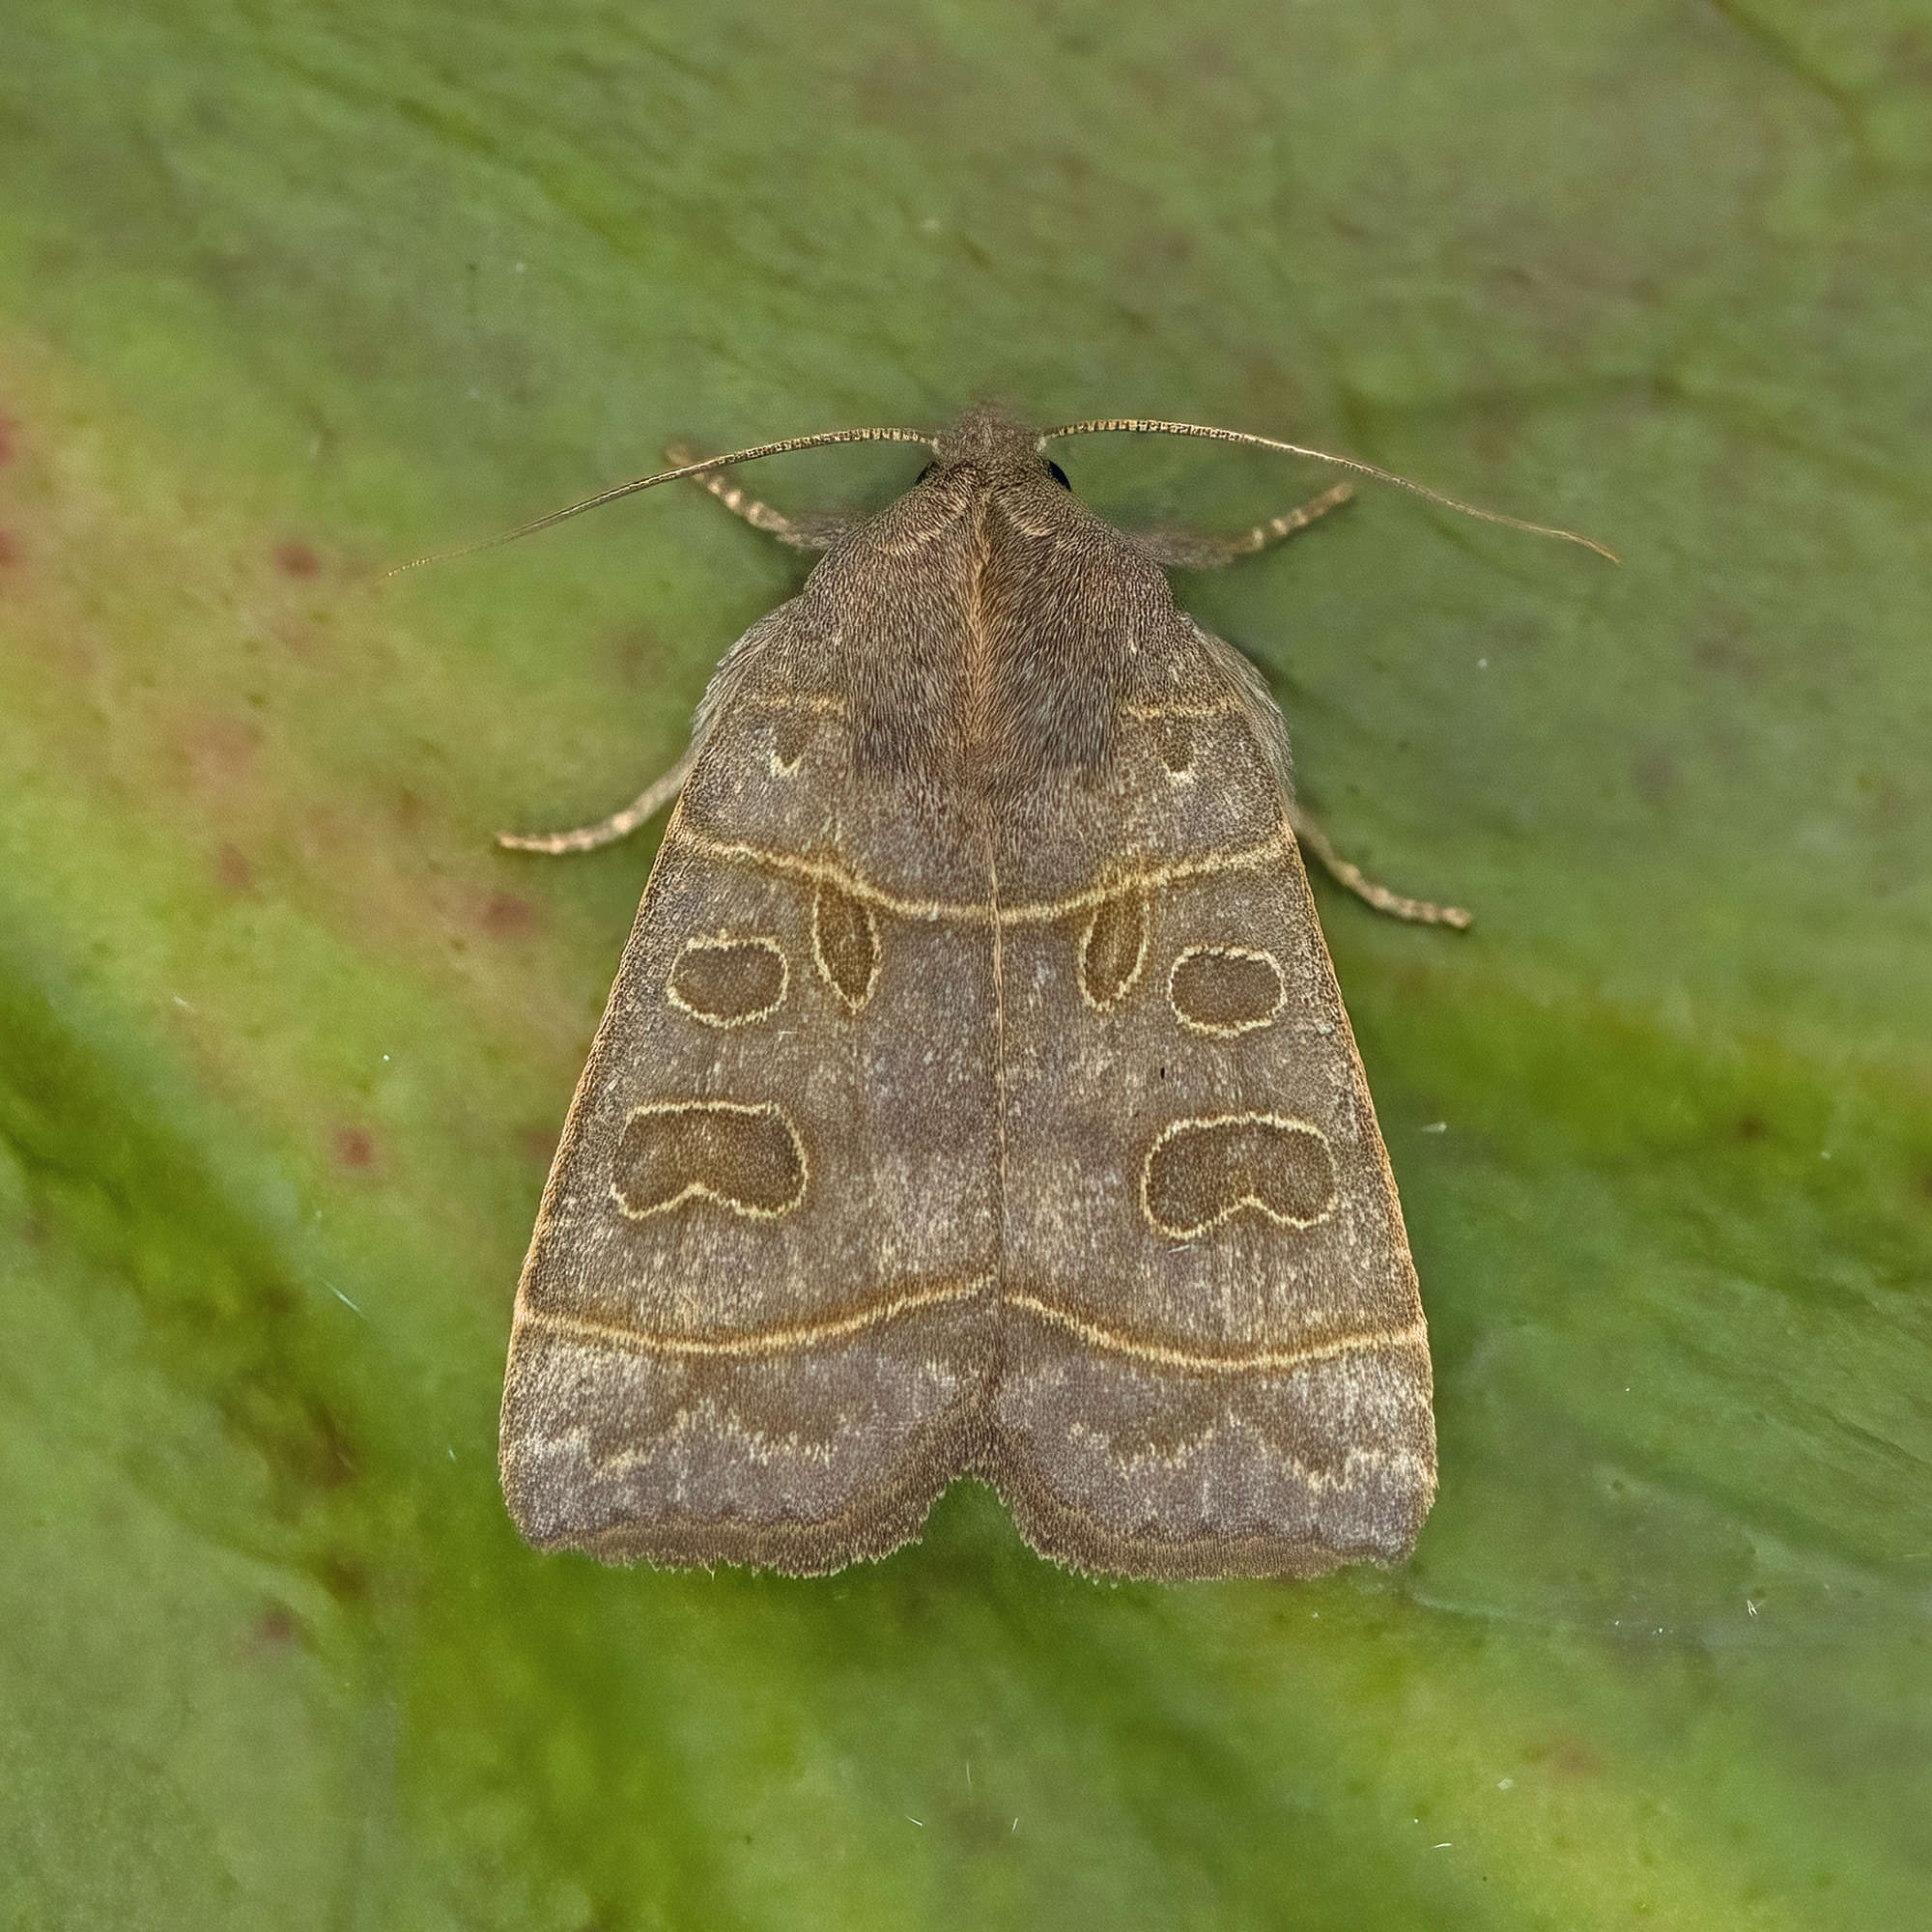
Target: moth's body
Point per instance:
(975, 1097)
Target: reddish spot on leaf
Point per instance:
(10, 551)
(8, 428)
(537, 1143)
(1571, 1758)
(353, 1148)
(275, 1629)
(508, 917)
(295, 558)
(232, 870)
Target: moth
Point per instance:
(975, 1097)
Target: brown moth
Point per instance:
(974, 1096)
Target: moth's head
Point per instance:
(1003, 448)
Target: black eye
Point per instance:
(925, 472)
(1059, 476)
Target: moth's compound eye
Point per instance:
(1059, 476)
(924, 473)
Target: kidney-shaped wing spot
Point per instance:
(1200, 1173)
(747, 1159)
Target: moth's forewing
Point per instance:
(754, 1323)
(1214, 1358)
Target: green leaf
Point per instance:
(290, 294)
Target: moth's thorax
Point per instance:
(986, 629)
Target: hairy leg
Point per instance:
(800, 533)
(619, 825)
(1421, 912)
(1185, 550)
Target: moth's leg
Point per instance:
(800, 533)
(1186, 550)
(619, 825)
(1422, 912)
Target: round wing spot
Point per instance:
(748, 1159)
(1114, 947)
(727, 983)
(845, 945)
(1200, 1173)
(1225, 990)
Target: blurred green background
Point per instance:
(288, 293)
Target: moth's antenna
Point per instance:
(631, 489)
(1143, 426)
